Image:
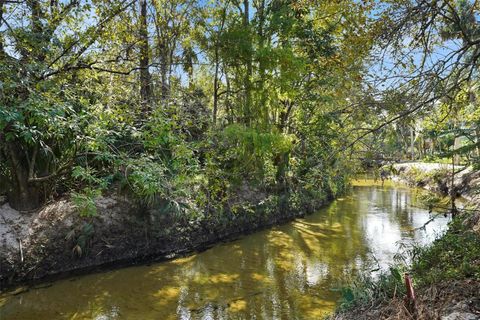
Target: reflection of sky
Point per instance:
(287, 272)
(388, 226)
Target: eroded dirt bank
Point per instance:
(437, 177)
(56, 241)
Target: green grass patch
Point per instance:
(366, 290)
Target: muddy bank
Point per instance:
(56, 241)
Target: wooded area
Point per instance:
(185, 99)
(191, 122)
(176, 100)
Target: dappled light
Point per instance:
(290, 271)
(246, 159)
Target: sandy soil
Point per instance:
(13, 226)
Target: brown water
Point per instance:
(288, 272)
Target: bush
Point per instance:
(454, 256)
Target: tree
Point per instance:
(44, 107)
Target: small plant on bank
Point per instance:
(81, 237)
(85, 201)
(368, 290)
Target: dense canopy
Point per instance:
(184, 103)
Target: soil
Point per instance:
(56, 241)
(436, 177)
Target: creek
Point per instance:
(292, 271)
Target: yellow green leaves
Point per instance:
(258, 142)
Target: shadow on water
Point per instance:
(287, 272)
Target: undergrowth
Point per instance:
(366, 290)
(454, 256)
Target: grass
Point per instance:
(368, 291)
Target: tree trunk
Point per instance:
(261, 36)
(412, 143)
(215, 88)
(145, 90)
(453, 195)
(477, 141)
(216, 84)
(249, 67)
(284, 115)
(1, 22)
(281, 162)
(23, 196)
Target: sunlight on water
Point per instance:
(288, 272)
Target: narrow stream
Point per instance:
(288, 272)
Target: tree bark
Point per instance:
(261, 35)
(216, 84)
(215, 88)
(22, 196)
(249, 66)
(145, 89)
(1, 23)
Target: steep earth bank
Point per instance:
(57, 241)
(437, 177)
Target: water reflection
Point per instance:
(287, 272)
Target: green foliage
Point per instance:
(453, 256)
(153, 185)
(88, 176)
(430, 200)
(258, 111)
(82, 239)
(85, 202)
(367, 290)
(250, 154)
(147, 179)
